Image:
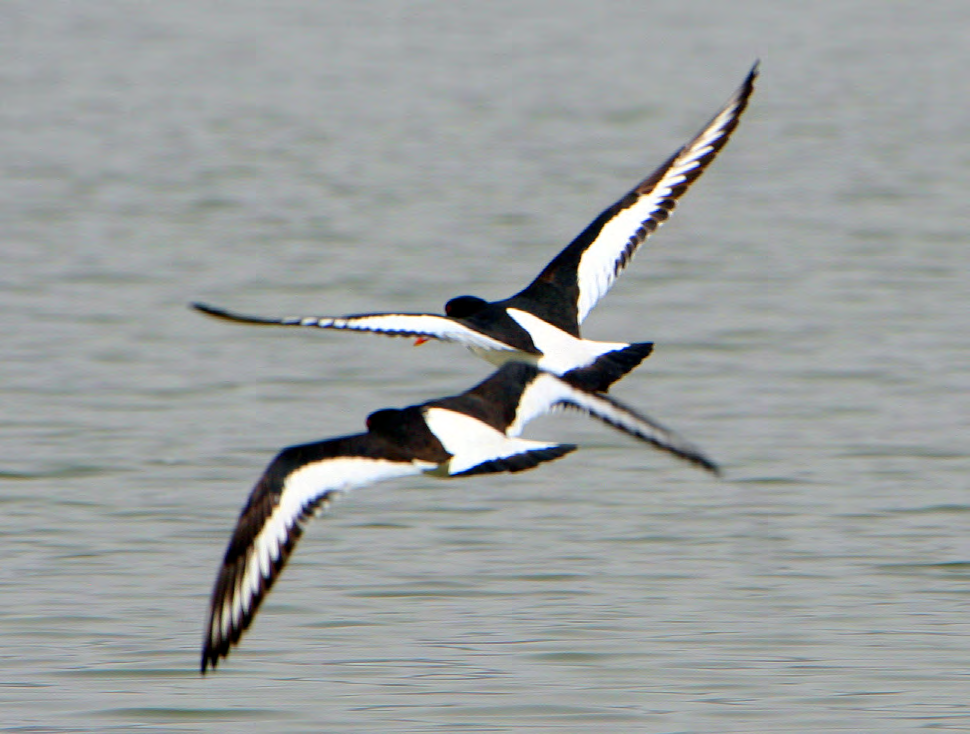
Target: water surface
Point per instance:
(808, 302)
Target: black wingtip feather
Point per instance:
(676, 445)
(209, 310)
(221, 313)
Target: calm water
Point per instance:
(809, 304)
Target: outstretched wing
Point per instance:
(586, 269)
(546, 392)
(300, 482)
(426, 325)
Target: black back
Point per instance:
(495, 400)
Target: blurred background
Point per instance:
(808, 301)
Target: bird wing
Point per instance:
(300, 482)
(429, 326)
(587, 268)
(546, 392)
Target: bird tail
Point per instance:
(608, 368)
(521, 455)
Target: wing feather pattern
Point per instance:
(429, 326)
(587, 268)
(476, 432)
(299, 483)
(547, 392)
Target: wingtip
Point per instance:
(712, 467)
(699, 459)
(211, 656)
(207, 309)
(224, 315)
(747, 86)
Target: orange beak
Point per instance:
(421, 340)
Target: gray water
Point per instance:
(808, 302)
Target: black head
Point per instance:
(399, 426)
(464, 306)
(405, 435)
(385, 422)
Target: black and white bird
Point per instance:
(476, 432)
(540, 324)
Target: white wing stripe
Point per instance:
(430, 325)
(537, 399)
(636, 424)
(300, 490)
(603, 259)
(597, 267)
(546, 391)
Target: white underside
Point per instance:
(428, 325)
(598, 265)
(499, 357)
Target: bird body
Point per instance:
(475, 432)
(541, 323)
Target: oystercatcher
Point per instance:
(540, 324)
(475, 432)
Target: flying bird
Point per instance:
(540, 324)
(476, 432)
